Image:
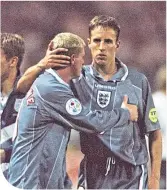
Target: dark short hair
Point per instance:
(104, 21)
(13, 45)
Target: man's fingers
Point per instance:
(50, 46)
(125, 101)
(59, 63)
(59, 50)
(136, 118)
(59, 57)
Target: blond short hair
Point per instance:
(70, 41)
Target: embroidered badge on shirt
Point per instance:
(73, 106)
(103, 98)
(153, 115)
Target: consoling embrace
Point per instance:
(110, 104)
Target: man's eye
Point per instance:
(108, 41)
(96, 40)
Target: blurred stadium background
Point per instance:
(143, 35)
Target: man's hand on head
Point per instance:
(53, 58)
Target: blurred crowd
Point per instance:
(143, 35)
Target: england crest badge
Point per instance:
(103, 98)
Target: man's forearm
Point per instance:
(155, 146)
(52, 59)
(29, 77)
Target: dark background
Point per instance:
(143, 30)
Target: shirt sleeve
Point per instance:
(63, 106)
(150, 114)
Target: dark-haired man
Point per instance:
(124, 165)
(12, 52)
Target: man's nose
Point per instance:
(102, 46)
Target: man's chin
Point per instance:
(100, 62)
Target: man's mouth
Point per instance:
(101, 56)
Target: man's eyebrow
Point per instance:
(108, 40)
(96, 39)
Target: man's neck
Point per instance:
(107, 71)
(7, 87)
(64, 74)
(8, 84)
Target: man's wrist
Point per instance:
(40, 66)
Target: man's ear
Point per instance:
(88, 40)
(118, 44)
(13, 61)
(72, 59)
